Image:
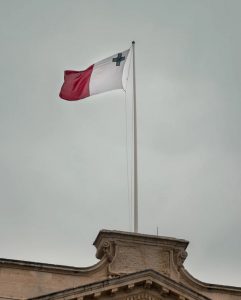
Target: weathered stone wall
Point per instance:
(21, 281)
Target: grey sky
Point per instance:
(63, 165)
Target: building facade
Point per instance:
(131, 267)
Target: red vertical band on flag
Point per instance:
(76, 84)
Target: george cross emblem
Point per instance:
(118, 59)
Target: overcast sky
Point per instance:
(63, 171)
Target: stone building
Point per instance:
(131, 267)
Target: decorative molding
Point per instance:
(108, 249)
(97, 295)
(141, 296)
(131, 286)
(114, 291)
(164, 291)
(148, 284)
(181, 256)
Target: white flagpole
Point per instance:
(135, 145)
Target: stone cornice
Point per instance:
(187, 277)
(143, 239)
(146, 279)
(52, 268)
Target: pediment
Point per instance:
(144, 285)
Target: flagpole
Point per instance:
(135, 145)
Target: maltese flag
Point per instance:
(108, 74)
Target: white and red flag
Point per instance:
(108, 74)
